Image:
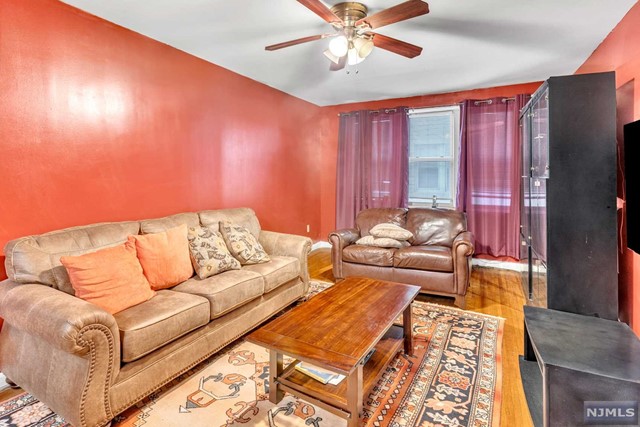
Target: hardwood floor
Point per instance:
(493, 291)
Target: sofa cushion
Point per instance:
(209, 252)
(154, 323)
(370, 255)
(381, 242)
(431, 258)
(36, 259)
(276, 272)
(164, 257)
(110, 278)
(225, 291)
(158, 225)
(243, 245)
(369, 218)
(435, 226)
(245, 217)
(390, 231)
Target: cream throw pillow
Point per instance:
(391, 231)
(242, 244)
(381, 242)
(209, 253)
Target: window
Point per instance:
(433, 152)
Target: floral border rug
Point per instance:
(454, 378)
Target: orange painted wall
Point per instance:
(329, 136)
(620, 52)
(98, 123)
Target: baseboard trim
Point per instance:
(504, 265)
(320, 244)
(3, 382)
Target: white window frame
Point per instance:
(454, 111)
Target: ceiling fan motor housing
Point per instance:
(350, 12)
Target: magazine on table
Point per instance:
(319, 374)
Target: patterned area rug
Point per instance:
(454, 378)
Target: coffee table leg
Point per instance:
(275, 370)
(408, 331)
(354, 396)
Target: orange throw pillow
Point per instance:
(110, 278)
(164, 257)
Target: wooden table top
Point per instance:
(336, 328)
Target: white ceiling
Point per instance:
(467, 43)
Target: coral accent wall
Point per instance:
(99, 123)
(620, 52)
(329, 136)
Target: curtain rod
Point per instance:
(490, 101)
(390, 110)
(386, 110)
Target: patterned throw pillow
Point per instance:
(391, 231)
(209, 254)
(242, 244)
(381, 242)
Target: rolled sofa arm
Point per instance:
(462, 250)
(282, 244)
(63, 350)
(340, 239)
(54, 316)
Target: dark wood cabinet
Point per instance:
(568, 203)
(575, 349)
(571, 359)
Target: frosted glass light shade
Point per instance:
(363, 46)
(353, 58)
(331, 56)
(339, 46)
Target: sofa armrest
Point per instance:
(339, 240)
(466, 241)
(282, 244)
(462, 250)
(54, 316)
(63, 350)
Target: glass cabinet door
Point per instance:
(539, 219)
(525, 181)
(540, 137)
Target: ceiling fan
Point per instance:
(354, 39)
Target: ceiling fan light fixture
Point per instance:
(364, 46)
(331, 56)
(339, 46)
(353, 58)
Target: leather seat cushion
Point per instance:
(225, 291)
(430, 258)
(158, 321)
(370, 255)
(276, 272)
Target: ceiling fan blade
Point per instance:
(295, 42)
(396, 46)
(407, 10)
(317, 7)
(340, 65)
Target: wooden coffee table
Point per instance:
(335, 330)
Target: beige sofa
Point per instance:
(88, 365)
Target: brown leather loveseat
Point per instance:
(438, 259)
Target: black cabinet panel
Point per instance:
(569, 195)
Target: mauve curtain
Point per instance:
(489, 174)
(373, 162)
